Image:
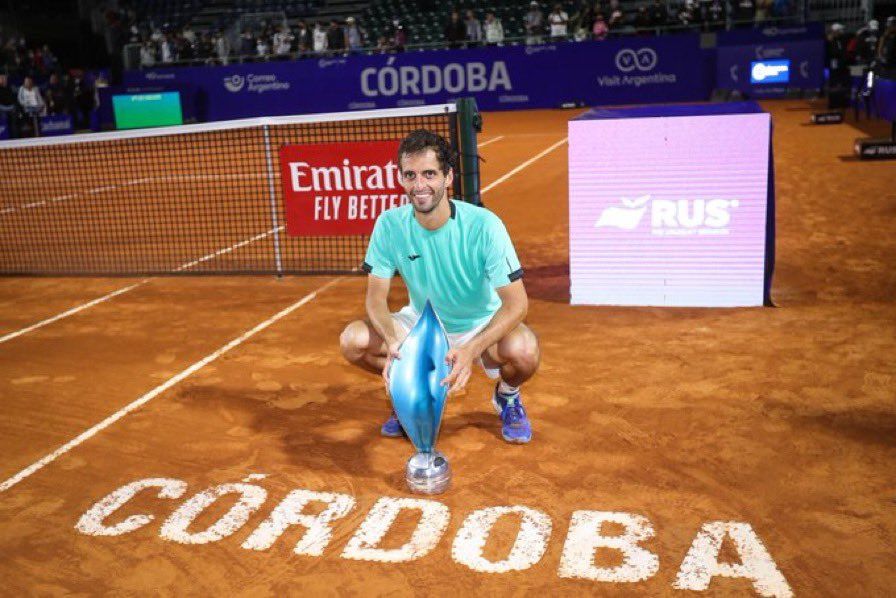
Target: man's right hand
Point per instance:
(392, 352)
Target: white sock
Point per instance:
(506, 389)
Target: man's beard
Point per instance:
(436, 200)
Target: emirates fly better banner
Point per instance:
(336, 189)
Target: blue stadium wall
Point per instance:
(632, 70)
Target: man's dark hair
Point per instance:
(421, 140)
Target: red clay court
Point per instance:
(761, 439)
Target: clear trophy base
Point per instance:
(428, 473)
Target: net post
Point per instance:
(469, 124)
(275, 225)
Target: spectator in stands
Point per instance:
(763, 11)
(559, 23)
(147, 55)
(205, 50)
(600, 30)
(221, 47)
(319, 38)
(354, 36)
(49, 59)
(399, 38)
(188, 34)
(335, 38)
(262, 48)
(474, 30)
(82, 100)
(582, 21)
(494, 31)
(686, 14)
(382, 45)
(866, 41)
(455, 31)
(744, 12)
(186, 50)
(534, 22)
(283, 42)
(30, 99)
(616, 16)
(7, 106)
(57, 96)
(659, 16)
(716, 13)
(247, 43)
(886, 48)
(167, 50)
(303, 39)
(643, 22)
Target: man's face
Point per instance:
(423, 180)
(28, 83)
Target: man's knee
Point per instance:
(521, 349)
(354, 340)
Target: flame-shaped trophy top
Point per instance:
(414, 380)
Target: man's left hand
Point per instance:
(461, 360)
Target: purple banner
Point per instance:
(618, 71)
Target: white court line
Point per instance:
(484, 143)
(162, 179)
(88, 434)
(540, 155)
(228, 249)
(74, 310)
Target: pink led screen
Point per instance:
(669, 210)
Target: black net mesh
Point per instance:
(195, 202)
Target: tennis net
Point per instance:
(192, 199)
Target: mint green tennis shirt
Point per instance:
(457, 267)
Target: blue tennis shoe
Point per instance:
(392, 428)
(515, 426)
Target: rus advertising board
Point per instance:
(338, 189)
(669, 211)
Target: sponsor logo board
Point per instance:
(338, 188)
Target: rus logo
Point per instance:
(670, 216)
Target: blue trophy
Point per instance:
(419, 400)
